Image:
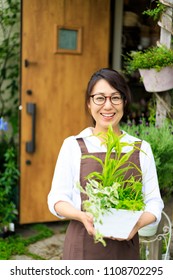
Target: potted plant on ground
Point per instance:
(109, 192)
(155, 66)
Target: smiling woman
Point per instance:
(114, 92)
(107, 100)
(106, 106)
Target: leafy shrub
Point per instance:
(8, 189)
(9, 175)
(161, 141)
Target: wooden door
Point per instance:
(63, 42)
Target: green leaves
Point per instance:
(8, 188)
(155, 57)
(160, 139)
(156, 12)
(9, 59)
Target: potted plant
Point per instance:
(155, 66)
(110, 193)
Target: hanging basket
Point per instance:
(118, 223)
(157, 81)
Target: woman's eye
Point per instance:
(100, 98)
(116, 98)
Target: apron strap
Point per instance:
(138, 144)
(82, 145)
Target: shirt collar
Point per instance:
(85, 133)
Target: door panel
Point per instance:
(55, 84)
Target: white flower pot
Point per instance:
(155, 81)
(118, 223)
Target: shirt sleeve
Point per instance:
(66, 173)
(153, 200)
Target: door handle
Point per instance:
(28, 63)
(31, 109)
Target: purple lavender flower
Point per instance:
(129, 124)
(3, 124)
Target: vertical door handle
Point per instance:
(31, 109)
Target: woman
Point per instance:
(107, 99)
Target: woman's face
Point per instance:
(106, 113)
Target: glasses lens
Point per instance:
(99, 99)
(116, 99)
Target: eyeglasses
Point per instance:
(100, 99)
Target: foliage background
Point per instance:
(9, 60)
(161, 141)
(9, 96)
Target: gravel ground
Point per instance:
(50, 248)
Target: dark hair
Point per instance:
(116, 80)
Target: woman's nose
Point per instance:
(108, 102)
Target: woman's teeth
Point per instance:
(108, 115)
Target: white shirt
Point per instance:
(67, 172)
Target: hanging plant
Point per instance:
(155, 66)
(156, 12)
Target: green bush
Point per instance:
(9, 91)
(8, 188)
(9, 60)
(161, 141)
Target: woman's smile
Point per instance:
(107, 116)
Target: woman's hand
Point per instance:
(67, 210)
(145, 218)
(87, 220)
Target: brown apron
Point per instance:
(79, 245)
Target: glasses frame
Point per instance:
(105, 97)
